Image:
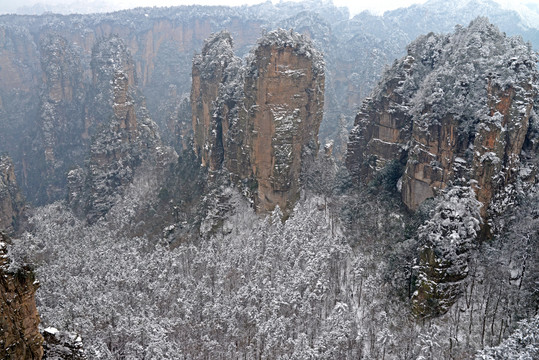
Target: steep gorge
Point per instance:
(440, 126)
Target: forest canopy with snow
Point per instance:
(148, 253)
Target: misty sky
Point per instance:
(355, 6)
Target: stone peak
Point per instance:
(217, 53)
(301, 45)
(218, 40)
(111, 55)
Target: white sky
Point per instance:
(355, 6)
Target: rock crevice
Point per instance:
(259, 121)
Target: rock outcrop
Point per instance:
(122, 134)
(259, 122)
(446, 239)
(11, 201)
(19, 319)
(62, 345)
(454, 120)
(447, 119)
(212, 71)
(62, 142)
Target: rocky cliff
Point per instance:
(11, 201)
(19, 91)
(458, 113)
(162, 41)
(259, 122)
(446, 119)
(122, 134)
(62, 140)
(42, 104)
(214, 69)
(19, 333)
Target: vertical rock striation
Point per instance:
(121, 132)
(11, 201)
(19, 319)
(457, 117)
(456, 109)
(62, 143)
(284, 91)
(259, 122)
(212, 72)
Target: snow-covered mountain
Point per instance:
(425, 246)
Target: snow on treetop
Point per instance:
(446, 74)
(110, 55)
(5, 162)
(217, 53)
(300, 44)
(217, 43)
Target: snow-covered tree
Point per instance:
(446, 239)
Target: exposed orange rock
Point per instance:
(432, 161)
(498, 145)
(288, 93)
(19, 318)
(123, 107)
(382, 129)
(437, 131)
(260, 123)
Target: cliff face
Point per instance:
(19, 90)
(454, 120)
(61, 143)
(162, 41)
(19, 333)
(122, 134)
(210, 73)
(11, 202)
(447, 120)
(48, 105)
(261, 122)
(382, 128)
(284, 92)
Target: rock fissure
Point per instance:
(259, 121)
